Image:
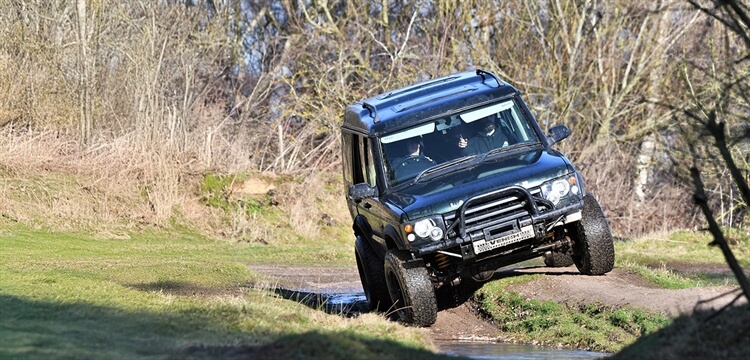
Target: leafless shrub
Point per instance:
(179, 90)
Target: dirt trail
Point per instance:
(460, 322)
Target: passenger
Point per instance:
(486, 139)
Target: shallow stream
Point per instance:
(352, 303)
(504, 351)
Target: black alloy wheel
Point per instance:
(594, 249)
(411, 290)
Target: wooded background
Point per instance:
(152, 92)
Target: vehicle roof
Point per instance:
(407, 106)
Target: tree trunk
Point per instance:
(84, 76)
(647, 148)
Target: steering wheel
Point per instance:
(420, 162)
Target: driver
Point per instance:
(414, 162)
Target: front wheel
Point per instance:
(410, 288)
(594, 250)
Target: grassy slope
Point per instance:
(164, 295)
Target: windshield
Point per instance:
(470, 134)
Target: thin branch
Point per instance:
(702, 201)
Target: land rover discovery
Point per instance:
(453, 178)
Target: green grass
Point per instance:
(663, 277)
(177, 294)
(702, 335)
(685, 247)
(166, 294)
(592, 327)
(683, 259)
(676, 261)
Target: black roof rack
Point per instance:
(482, 73)
(373, 111)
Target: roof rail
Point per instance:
(373, 111)
(482, 73)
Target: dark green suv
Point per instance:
(453, 178)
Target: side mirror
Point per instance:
(558, 132)
(361, 191)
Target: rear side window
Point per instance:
(346, 158)
(358, 160)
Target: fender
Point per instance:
(363, 228)
(393, 239)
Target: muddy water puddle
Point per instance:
(338, 291)
(505, 351)
(354, 303)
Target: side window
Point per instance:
(358, 167)
(516, 125)
(346, 157)
(362, 167)
(370, 174)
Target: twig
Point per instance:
(701, 200)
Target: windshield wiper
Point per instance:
(496, 151)
(440, 167)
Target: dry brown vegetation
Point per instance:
(250, 87)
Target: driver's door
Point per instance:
(371, 208)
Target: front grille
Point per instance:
(490, 211)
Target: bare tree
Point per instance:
(239, 85)
(724, 102)
(85, 66)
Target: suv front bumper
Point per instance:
(510, 218)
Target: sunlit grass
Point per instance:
(678, 260)
(683, 246)
(683, 259)
(592, 327)
(161, 294)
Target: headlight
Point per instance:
(425, 229)
(557, 189)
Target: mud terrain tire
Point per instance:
(372, 276)
(594, 251)
(411, 290)
(558, 259)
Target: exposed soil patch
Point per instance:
(618, 288)
(457, 320)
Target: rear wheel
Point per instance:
(594, 250)
(372, 276)
(410, 288)
(558, 259)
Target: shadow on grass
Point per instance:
(702, 335)
(32, 329)
(183, 288)
(38, 329)
(318, 345)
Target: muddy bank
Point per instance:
(338, 290)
